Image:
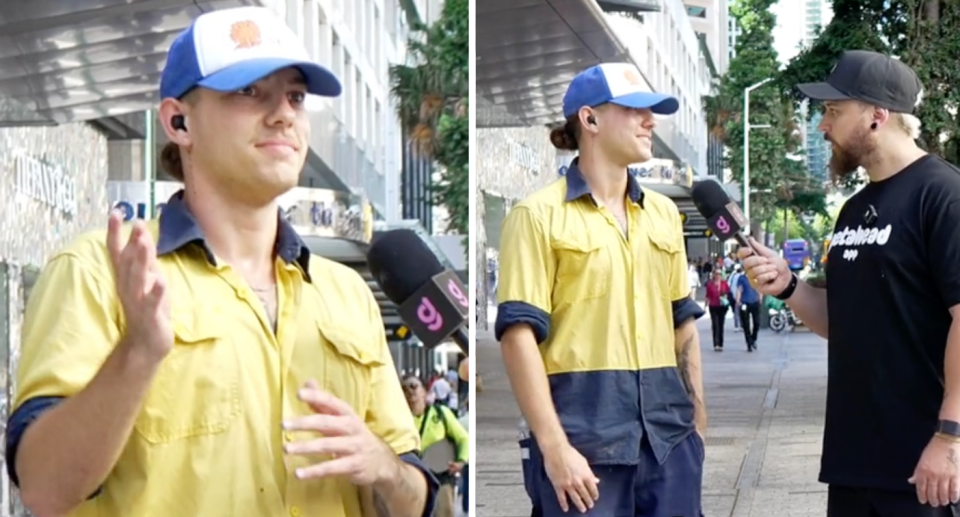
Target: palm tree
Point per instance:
(431, 92)
(434, 82)
(720, 110)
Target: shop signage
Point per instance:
(132, 198)
(328, 213)
(397, 332)
(45, 182)
(524, 156)
(653, 171)
(312, 212)
(662, 171)
(698, 233)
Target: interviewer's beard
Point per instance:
(845, 159)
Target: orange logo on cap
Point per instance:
(632, 78)
(246, 34)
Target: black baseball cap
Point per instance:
(869, 77)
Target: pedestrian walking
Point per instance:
(718, 301)
(748, 305)
(733, 281)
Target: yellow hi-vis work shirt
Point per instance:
(604, 307)
(208, 441)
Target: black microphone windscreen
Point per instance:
(710, 198)
(401, 263)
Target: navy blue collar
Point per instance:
(178, 228)
(577, 187)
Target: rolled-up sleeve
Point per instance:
(70, 327)
(684, 307)
(433, 485)
(527, 272)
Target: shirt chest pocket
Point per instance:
(196, 390)
(583, 270)
(346, 362)
(663, 255)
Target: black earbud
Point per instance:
(873, 126)
(178, 123)
(592, 121)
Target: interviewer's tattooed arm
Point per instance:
(950, 408)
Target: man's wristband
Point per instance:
(949, 428)
(946, 437)
(788, 292)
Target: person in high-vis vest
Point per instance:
(207, 364)
(438, 423)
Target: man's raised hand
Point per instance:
(141, 287)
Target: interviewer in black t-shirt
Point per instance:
(891, 309)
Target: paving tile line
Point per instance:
(752, 464)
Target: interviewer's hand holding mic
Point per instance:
(767, 271)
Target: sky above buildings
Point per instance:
(792, 17)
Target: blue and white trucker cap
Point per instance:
(616, 83)
(230, 49)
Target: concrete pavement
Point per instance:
(763, 442)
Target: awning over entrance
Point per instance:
(87, 59)
(529, 50)
(694, 225)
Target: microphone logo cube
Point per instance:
(723, 226)
(437, 309)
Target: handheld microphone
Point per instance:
(723, 215)
(431, 301)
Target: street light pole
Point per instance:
(746, 148)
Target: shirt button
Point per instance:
(295, 511)
(288, 437)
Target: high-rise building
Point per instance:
(816, 15)
(710, 20)
(732, 32)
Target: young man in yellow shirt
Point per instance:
(207, 363)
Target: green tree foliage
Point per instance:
(432, 98)
(924, 33)
(778, 176)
